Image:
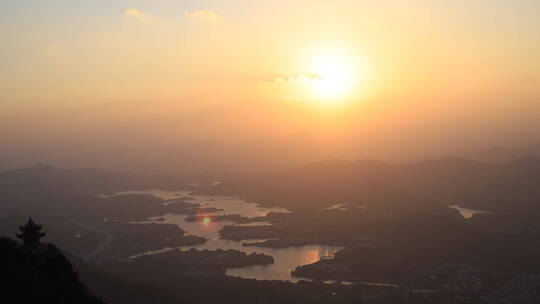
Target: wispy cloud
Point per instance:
(133, 12)
(295, 78)
(137, 14)
(203, 15)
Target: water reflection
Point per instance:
(467, 212)
(286, 259)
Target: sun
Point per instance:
(206, 221)
(334, 75)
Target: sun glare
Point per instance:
(335, 76)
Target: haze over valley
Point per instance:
(213, 151)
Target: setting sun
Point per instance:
(335, 75)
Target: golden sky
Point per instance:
(376, 71)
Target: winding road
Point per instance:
(108, 239)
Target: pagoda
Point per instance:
(30, 233)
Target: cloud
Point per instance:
(203, 15)
(138, 15)
(295, 78)
(133, 12)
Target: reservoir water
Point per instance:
(468, 213)
(286, 259)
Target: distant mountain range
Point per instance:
(367, 183)
(502, 154)
(222, 158)
(44, 179)
(202, 157)
(374, 184)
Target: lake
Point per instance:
(286, 259)
(468, 213)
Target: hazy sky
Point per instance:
(401, 75)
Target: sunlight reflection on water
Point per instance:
(468, 213)
(286, 259)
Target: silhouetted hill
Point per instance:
(502, 154)
(43, 277)
(188, 158)
(46, 179)
(44, 189)
(374, 184)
